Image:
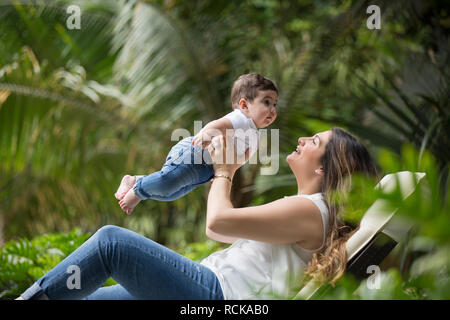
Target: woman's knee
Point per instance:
(109, 232)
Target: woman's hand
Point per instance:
(224, 158)
(203, 139)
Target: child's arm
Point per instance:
(212, 129)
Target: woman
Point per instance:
(273, 244)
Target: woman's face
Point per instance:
(306, 157)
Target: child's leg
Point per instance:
(125, 185)
(184, 170)
(127, 200)
(128, 181)
(159, 191)
(172, 182)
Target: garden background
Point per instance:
(81, 106)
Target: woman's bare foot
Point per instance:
(129, 201)
(125, 185)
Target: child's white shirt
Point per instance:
(246, 135)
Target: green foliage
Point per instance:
(24, 261)
(392, 286)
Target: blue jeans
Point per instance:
(185, 169)
(143, 268)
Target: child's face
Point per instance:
(262, 109)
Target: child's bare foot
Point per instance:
(129, 201)
(125, 185)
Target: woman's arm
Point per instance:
(219, 237)
(212, 234)
(286, 220)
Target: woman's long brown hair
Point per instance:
(344, 156)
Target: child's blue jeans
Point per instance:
(143, 268)
(186, 168)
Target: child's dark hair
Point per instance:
(247, 87)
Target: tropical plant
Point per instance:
(24, 261)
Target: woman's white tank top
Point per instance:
(258, 270)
